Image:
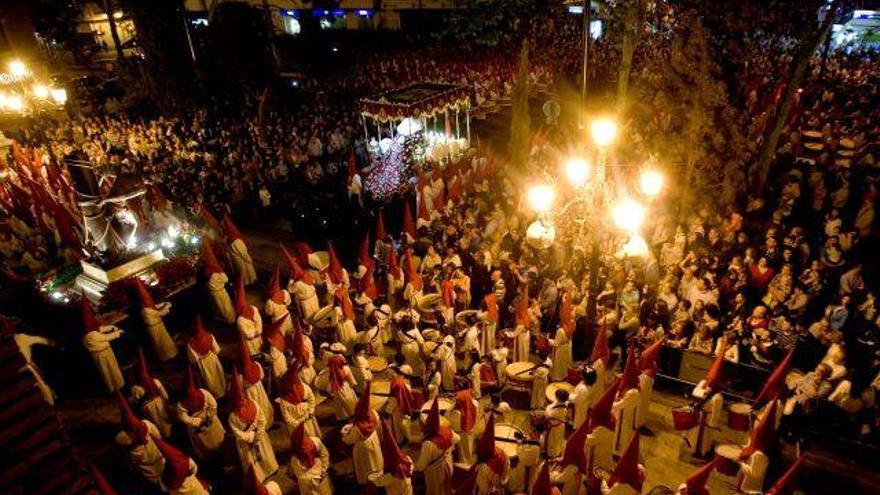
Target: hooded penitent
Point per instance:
(628, 470)
(522, 307)
(143, 294)
(364, 418)
(292, 389)
(274, 287)
(542, 485)
(364, 257)
(412, 275)
(600, 414)
(298, 346)
(574, 453)
(464, 403)
(713, 376)
(272, 333)
(487, 452)
(381, 235)
(434, 431)
(648, 358)
(250, 370)
(243, 407)
(630, 377)
(90, 322)
(242, 308)
(775, 383)
(200, 340)
(212, 266)
(336, 374)
(696, 483)
(405, 400)
(334, 267)
(176, 464)
(394, 461)
(232, 232)
(566, 315)
(601, 350)
(763, 435)
(296, 271)
(409, 226)
(145, 378)
(302, 446)
(194, 399)
(394, 265)
(134, 427)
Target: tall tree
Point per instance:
(520, 120)
(808, 46)
(633, 24)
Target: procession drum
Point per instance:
(520, 375)
(738, 416)
(685, 418)
(445, 405)
(506, 439)
(729, 459)
(553, 387)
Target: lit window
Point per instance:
(292, 26)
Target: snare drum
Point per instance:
(506, 438)
(380, 390)
(445, 405)
(738, 416)
(729, 459)
(685, 418)
(812, 134)
(553, 387)
(377, 364)
(520, 375)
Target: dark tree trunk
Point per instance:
(114, 32)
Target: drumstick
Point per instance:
(533, 368)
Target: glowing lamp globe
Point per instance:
(15, 103)
(59, 95)
(636, 247)
(541, 197)
(540, 235)
(577, 170)
(409, 126)
(41, 91)
(17, 68)
(651, 183)
(628, 215)
(604, 131)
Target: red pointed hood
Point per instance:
(404, 396)
(298, 346)
(432, 422)
(696, 483)
(713, 376)
(201, 340)
(252, 483)
(334, 267)
(424, 214)
(648, 358)
(292, 389)
(522, 307)
(232, 232)
(394, 265)
(601, 415)
(296, 271)
(143, 294)
(272, 333)
(176, 464)
(381, 235)
(344, 302)
(194, 400)
(447, 291)
(775, 382)
(303, 250)
(132, 425)
(409, 226)
(412, 275)
(250, 370)
(464, 403)
(146, 379)
(764, 434)
(209, 218)
(304, 449)
(566, 315)
(781, 484)
(274, 287)
(364, 257)
(212, 266)
(628, 471)
(487, 452)
(394, 461)
(364, 418)
(601, 350)
(574, 448)
(630, 377)
(242, 308)
(542, 485)
(90, 322)
(101, 483)
(243, 407)
(367, 284)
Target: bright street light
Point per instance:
(628, 215)
(577, 170)
(59, 95)
(651, 183)
(17, 68)
(41, 91)
(604, 131)
(541, 197)
(636, 247)
(15, 103)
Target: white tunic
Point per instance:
(146, 457)
(220, 300)
(242, 261)
(304, 412)
(162, 343)
(155, 408)
(521, 340)
(306, 298)
(752, 472)
(600, 448)
(277, 311)
(204, 428)
(561, 356)
(209, 368)
(557, 414)
(98, 345)
(583, 396)
(313, 480)
(367, 451)
(251, 331)
(257, 393)
(572, 480)
(646, 390)
(437, 466)
(252, 443)
(625, 410)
